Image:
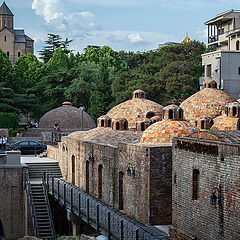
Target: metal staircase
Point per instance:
(38, 198)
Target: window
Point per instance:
(209, 71)
(109, 122)
(102, 123)
(202, 124)
(170, 114)
(19, 54)
(239, 71)
(142, 126)
(237, 45)
(125, 125)
(117, 125)
(100, 181)
(195, 184)
(23, 143)
(150, 115)
(211, 123)
(87, 176)
(33, 143)
(234, 109)
(5, 38)
(120, 191)
(8, 53)
(136, 95)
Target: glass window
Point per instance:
(33, 143)
(23, 143)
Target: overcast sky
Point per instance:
(130, 25)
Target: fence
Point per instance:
(104, 219)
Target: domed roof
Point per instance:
(136, 108)
(165, 130)
(67, 117)
(209, 102)
(107, 136)
(228, 123)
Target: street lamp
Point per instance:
(82, 109)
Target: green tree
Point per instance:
(53, 42)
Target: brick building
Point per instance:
(118, 166)
(206, 198)
(14, 42)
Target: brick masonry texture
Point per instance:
(145, 194)
(12, 202)
(197, 219)
(228, 123)
(133, 109)
(165, 130)
(209, 102)
(67, 117)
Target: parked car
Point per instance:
(28, 147)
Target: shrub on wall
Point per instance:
(8, 120)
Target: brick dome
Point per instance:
(165, 130)
(228, 123)
(209, 102)
(136, 108)
(67, 117)
(107, 136)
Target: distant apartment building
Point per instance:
(222, 62)
(14, 42)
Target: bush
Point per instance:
(8, 120)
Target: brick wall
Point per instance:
(197, 218)
(12, 202)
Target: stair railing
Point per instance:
(45, 187)
(31, 204)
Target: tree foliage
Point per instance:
(97, 79)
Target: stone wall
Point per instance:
(3, 131)
(218, 167)
(12, 201)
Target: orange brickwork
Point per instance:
(209, 102)
(228, 123)
(165, 130)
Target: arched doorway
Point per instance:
(120, 191)
(73, 169)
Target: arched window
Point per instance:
(73, 169)
(102, 123)
(170, 114)
(136, 95)
(87, 176)
(237, 45)
(195, 184)
(234, 111)
(125, 125)
(19, 54)
(8, 53)
(211, 123)
(117, 125)
(142, 126)
(100, 181)
(150, 115)
(109, 122)
(5, 38)
(121, 191)
(202, 124)
(180, 114)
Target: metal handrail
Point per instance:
(73, 190)
(48, 206)
(31, 204)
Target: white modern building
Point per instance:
(222, 62)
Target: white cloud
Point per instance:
(57, 16)
(135, 38)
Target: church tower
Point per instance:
(6, 17)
